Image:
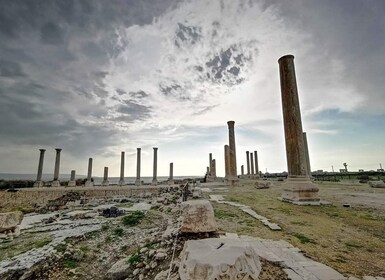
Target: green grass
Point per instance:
(133, 218)
(125, 205)
(304, 239)
(69, 263)
(118, 231)
(134, 259)
(352, 244)
(221, 214)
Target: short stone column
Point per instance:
(137, 181)
(252, 164)
(171, 177)
(39, 183)
(89, 182)
(72, 181)
(248, 162)
(105, 177)
(210, 162)
(298, 189)
(207, 171)
(307, 154)
(56, 182)
(233, 155)
(155, 167)
(227, 159)
(242, 171)
(121, 179)
(213, 169)
(256, 164)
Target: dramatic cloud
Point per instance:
(96, 77)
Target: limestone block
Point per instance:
(9, 220)
(120, 270)
(218, 259)
(377, 184)
(197, 216)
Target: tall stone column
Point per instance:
(155, 169)
(307, 154)
(227, 163)
(252, 164)
(233, 156)
(39, 183)
(105, 177)
(256, 164)
(242, 170)
(72, 182)
(121, 180)
(137, 181)
(298, 189)
(89, 182)
(210, 162)
(55, 182)
(171, 178)
(248, 162)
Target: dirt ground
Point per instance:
(348, 239)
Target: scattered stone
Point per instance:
(263, 184)
(120, 270)
(377, 184)
(198, 217)
(9, 221)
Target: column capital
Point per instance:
(58, 150)
(231, 124)
(42, 150)
(155, 148)
(286, 57)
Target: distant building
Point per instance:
(343, 171)
(360, 170)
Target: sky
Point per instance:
(99, 77)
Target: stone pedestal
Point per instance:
(198, 217)
(55, 184)
(38, 184)
(121, 180)
(298, 189)
(72, 182)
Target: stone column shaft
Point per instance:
(40, 167)
(122, 158)
(307, 154)
(213, 169)
(105, 177)
(227, 161)
(89, 182)
(210, 162)
(155, 168)
(242, 170)
(57, 165)
(252, 163)
(295, 148)
(72, 182)
(248, 162)
(171, 178)
(256, 163)
(137, 181)
(233, 156)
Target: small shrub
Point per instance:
(70, 263)
(118, 231)
(61, 247)
(134, 259)
(105, 227)
(133, 218)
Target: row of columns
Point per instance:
(250, 160)
(89, 183)
(211, 174)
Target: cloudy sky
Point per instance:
(99, 77)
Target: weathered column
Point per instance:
(171, 178)
(242, 170)
(105, 177)
(213, 169)
(307, 154)
(154, 175)
(39, 183)
(252, 164)
(248, 162)
(210, 162)
(72, 181)
(55, 182)
(256, 164)
(207, 171)
(137, 181)
(233, 156)
(227, 164)
(89, 182)
(121, 180)
(298, 189)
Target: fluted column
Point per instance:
(299, 189)
(89, 182)
(233, 156)
(72, 182)
(122, 158)
(256, 164)
(137, 181)
(105, 177)
(55, 182)
(39, 182)
(155, 168)
(171, 178)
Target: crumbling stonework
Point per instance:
(198, 217)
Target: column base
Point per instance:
(211, 179)
(55, 184)
(72, 184)
(138, 182)
(38, 184)
(154, 182)
(232, 180)
(300, 191)
(89, 184)
(121, 183)
(105, 183)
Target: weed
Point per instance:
(118, 231)
(70, 263)
(105, 227)
(133, 218)
(61, 247)
(134, 259)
